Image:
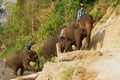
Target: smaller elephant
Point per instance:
(21, 60)
(49, 48)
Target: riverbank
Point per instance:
(8, 72)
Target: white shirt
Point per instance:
(62, 33)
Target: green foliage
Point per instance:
(68, 74)
(97, 14)
(113, 2)
(52, 0)
(89, 7)
(0, 1)
(16, 44)
(26, 14)
(70, 9)
(117, 12)
(45, 3)
(51, 28)
(1, 29)
(41, 62)
(110, 3)
(0, 42)
(52, 59)
(59, 8)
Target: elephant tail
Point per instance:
(4, 60)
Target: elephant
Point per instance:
(72, 35)
(76, 31)
(84, 25)
(49, 48)
(20, 60)
(69, 36)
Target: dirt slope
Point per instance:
(101, 63)
(105, 35)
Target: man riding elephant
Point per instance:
(29, 46)
(85, 25)
(74, 36)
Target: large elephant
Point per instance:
(20, 60)
(84, 25)
(49, 48)
(76, 32)
(72, 35)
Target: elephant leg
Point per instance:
(78, 44)
(22, 71)
(88, 40)
(15, 71)
(67, 47)
(70, 48)
(78, 38)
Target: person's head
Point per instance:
(64, 27)
(81, 8)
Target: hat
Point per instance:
(81, 4)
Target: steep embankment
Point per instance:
(106, 33)
(102, 62)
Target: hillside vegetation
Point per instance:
(38, 20)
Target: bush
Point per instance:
(97, 14)
(68, 73)
(117, 11)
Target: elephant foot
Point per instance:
(21, 71)
(15, 73)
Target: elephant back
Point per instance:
(87, 19)
(69, 32)
(14, 60)
(49, 48)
